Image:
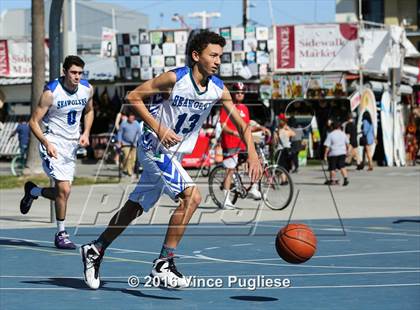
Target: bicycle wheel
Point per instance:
(216, 177)
(205, 170)
(276, 187)
(17, 165)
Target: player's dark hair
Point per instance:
(336, 124)
(202, 39)
(73, 60)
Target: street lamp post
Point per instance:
(205, 16)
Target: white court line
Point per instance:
(228, 288)
(382, 233)
(244, 276)
(356, 231)
(340, 255)
(212, 248)
(112, 249)
(110, 259)
(242, 244)
(369, 253)
(302, 265)
(347, 227)
(213, 259)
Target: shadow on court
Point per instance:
(138, 293)
(254, 298)
(79, 284)
(62, 282)
(405, 221)
(17, 219)
(15, 242)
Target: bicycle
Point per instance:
(276, 185)
(18, 164)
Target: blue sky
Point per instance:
(160, 12)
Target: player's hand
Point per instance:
(84, 140)
(168, 137)
(51, 150)
(254, 168)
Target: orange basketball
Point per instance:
(296, 243)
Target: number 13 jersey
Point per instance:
(184, 111)
(63, 116)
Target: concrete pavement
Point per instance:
(384, 192)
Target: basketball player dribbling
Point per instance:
(181, 100)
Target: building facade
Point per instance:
(90, 18)
(389, 12)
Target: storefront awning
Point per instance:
(15, 81)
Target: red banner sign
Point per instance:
(286, 47)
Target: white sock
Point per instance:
(60, 226)
(36, 191)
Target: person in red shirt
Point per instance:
(232, 143)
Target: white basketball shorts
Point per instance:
(162, 173)
(61, 168)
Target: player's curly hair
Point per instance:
(73, 60)
(200, 41)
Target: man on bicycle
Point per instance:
(232, 144)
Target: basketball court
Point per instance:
(374, 263)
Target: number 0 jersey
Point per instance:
(184, 111)
(63, 116)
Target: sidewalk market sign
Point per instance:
(16, 58)
(318, 47)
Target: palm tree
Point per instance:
(38, 77)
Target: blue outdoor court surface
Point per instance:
(374, 265)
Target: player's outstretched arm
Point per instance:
(161, 84)
(255, 170)
(41, 109)
(89, 115)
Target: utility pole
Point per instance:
(205, 17)
(114, 23)
(54, 40)
(55, 47)
(69, 28)
(244, 13)
(359, 50)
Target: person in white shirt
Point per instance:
(336, 145)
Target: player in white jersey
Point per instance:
(181, 100)
(60, 108)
